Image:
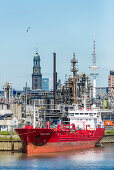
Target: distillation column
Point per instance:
(74, 70)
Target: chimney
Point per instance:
(54, 78)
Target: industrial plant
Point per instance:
(17, 107)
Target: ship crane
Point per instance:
(94, 67)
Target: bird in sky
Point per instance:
(28, 29)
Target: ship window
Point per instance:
(72, 114)
(80, 119)
(94, 113)
(86, 113)
(89, 119)
(86, 119)
(76, 113)
(81, 113)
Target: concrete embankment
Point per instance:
(107, 139)
(10, 144)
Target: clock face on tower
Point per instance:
(35, 70)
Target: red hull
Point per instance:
(59, 147)
(50, 140)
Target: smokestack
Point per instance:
(54, 78)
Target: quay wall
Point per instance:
(16, 144)
(10, 145)
(107, 139)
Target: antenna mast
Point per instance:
(94, 67)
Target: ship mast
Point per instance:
(74, 70)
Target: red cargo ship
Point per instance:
(62, 138)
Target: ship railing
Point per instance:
(76, 133)
(69, 127)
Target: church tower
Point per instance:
(36, 76)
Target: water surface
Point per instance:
(93, 158)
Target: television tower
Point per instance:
(94, 67)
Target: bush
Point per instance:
(109, 132)
(5, 133)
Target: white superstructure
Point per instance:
(83, 117)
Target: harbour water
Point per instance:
(100, 157)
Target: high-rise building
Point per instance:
(36, 76)
(111, 82)
(45, 84)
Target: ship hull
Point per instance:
(57, 147)
(35, 141)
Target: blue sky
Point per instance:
(61, 26)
